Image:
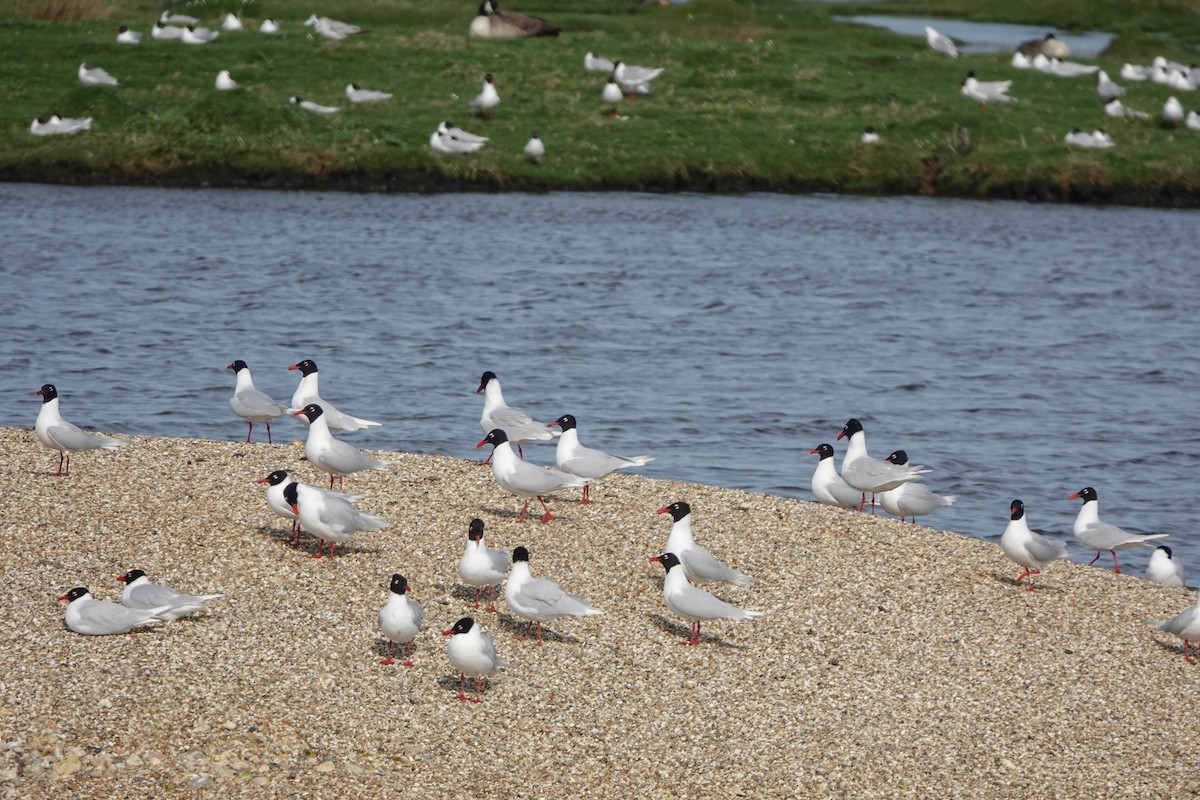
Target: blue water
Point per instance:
(988, 37)
(1020, 350)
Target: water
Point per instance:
(1021, 350)
(988, 37)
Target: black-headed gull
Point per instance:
(308, 392)
(309, 105)
(535, 148)
(472, 652)
(480, 566)
(1185, 625)
(329, 454)
(142, 595)
(225, 82)
(1029, 549)
(277, 482)
(940, 43)
(612, 94)
(232, 22)
(1165, 567)
(538, 600)
(1133, 72)
(518, 427)
(985, 92)
(91, 617)
(95, 76)
(193, 35)
(328, 515)
(595, 63)
(911, 499)
(522, 478)
(443, 142)
(692, 603)
(459, 134)
(1106, 88)
(870, 475)
(488, 98)
(1100, 536)
(827, 486)
(869, 136)
(126, 36)
(572, 457)
(58, 434)
(635, 80)
(249, 403)
(400, 619)
(357, 94)
(699, 565)
(1172, 113)
(167, 18)
(492, 23)
(332, 28)
(269, 25)
(1062, 69)
(54, 125)
(164, 32)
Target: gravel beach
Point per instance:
(892, 660)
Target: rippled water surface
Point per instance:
(1020, 350)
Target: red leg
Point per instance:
(68, 472)
(462, 687)
(546, 518)
(1116, 566)
(1186, 657)
(1026, 574)
(872, 505)
(539, 641)
(863, 502)
(408, 654)
(491, 599)
(251, 424)
(388, 660)
(476, 603)
(61, 456)
(585, 495)
(487, 460)
(524, 508)
(269, 434)
(478, 689)
(1093, 561)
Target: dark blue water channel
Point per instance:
(1020, 350)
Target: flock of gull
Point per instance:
(332, 518)
(624, 80)
(1047, 55)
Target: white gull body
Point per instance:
(91, 617)
(329, 454)
(308, 392)
(699, 565)
(870, 475)
(1026, 547)
(328, 515)
(939, 43)
(56, 433)
(538, 600)
(518, 427)
(827, 486)
(1100, 536)
(249, 403)
(480, 566)
(692, 603)
(472, 652)
(1165, 567)
(1185, 625)
(572, 457)
(523, 479)
(95, 76)
(400, 619)
(357, 94)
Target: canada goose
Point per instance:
(492, 23)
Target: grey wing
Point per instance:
(153, 596)
(552, 600)
(110, 618)
(253, 403)
(498, 559)
(518, 425)
(345, 458)
(697, 603)
(418, 613)
(342, 517)
(1046, 550)
(69, 437)
(707, 567)
(591, 463)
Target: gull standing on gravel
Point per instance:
(940, 43)
(308, 392)
(635, 80)
(828, 487)
(911, 499)
(194, 35)
(870, 475)
(1029, 549)
(518, 427)
(699, 565)
(249, 403)
(691, 603)
(89, 616)
(572, 457)
(126, 36)
(535, 148)
(523, 479)
(329, 454)
(276, 482)
(95, 76)
(357, 94)
(482, 567)
(538, 600)
(309, 105)
(472, 652)
(328, 515)
(985, 92)
(1185, 625)
(1100, 536)
(58, 434)
(225, 82)
(492, 23)
(142, 595)
(488, 98)
(400, 619)
(1164, 567)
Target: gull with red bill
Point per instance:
(1100, 536)
(522, 478)
(400, 619)
(1029, 549)
(572, 457)
(58, 434)
(870, 475)
(471, 652)
(329, 454)
(699, 565)
(328, 515)
(692, 603)
(249, 403)
(307, 392)
(91, 617)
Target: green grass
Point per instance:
(768, 95)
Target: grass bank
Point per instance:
(769, 95)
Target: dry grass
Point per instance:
(66, 10)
